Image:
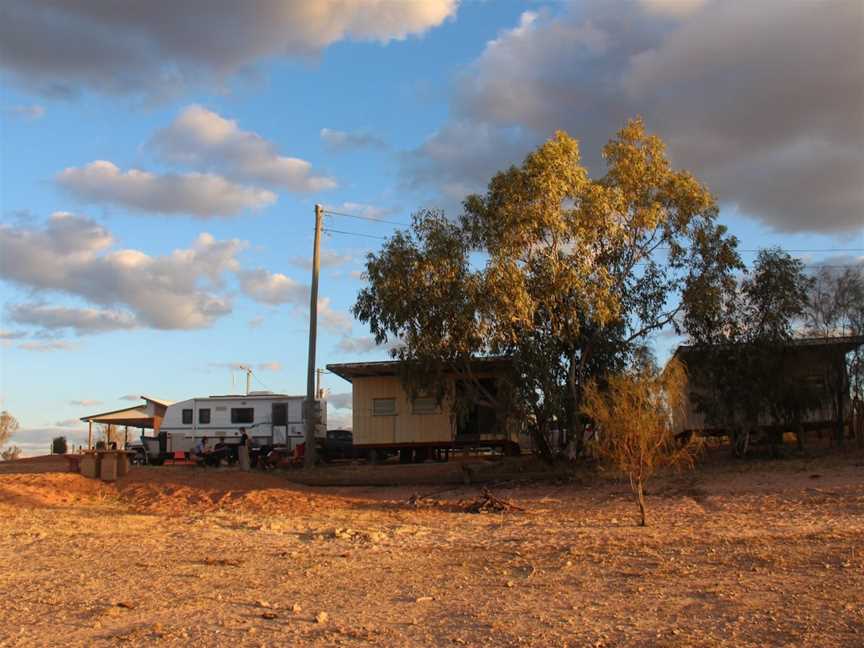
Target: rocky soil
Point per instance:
(737, 554)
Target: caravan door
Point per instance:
(279, 419)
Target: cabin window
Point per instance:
(383, 407)
(187, 417)
(204, 415)
(424, 406)
(242, 415)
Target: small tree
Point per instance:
(635, 413)
(8, 426)
(58, 445)
(11, 453)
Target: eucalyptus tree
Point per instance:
(565, 274)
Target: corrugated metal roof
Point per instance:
(350, 370)
(126, 416)
(848, 342)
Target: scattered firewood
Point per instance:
(489, 503)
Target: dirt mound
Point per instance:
(182, 490)
(53, 490)
(166, 490)
(44, 463)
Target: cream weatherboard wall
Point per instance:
(404, 426)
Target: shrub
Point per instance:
(635, 413)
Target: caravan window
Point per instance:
(204, 415)
(242, 415)
(383, 407)
(187, 417)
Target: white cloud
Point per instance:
(75, 256)
(69, 423)
(360, 345)
(759, 99)
(332, 320)
(339, 421)
(81, 320)
(32, 112)
(60, 48)
(272, 287)
(204, 195)
(46, 346)
(269, 366)
(130, 397)
(85, 403)
(255, 322)
(337, 140)
(204, 139)
(361, 209)
(340, 401)
(12, 335)
(37, 441)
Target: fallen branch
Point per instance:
(489, 503)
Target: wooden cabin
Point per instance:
(819, 363)
(386, 417)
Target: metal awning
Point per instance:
(132, 416)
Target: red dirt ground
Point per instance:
(737, 554)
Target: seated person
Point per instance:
(200, 451)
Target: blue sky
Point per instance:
(182, 250)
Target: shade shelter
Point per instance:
(147, 416)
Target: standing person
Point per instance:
(243, 450)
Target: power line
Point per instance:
(741, 250)
(335, 231)
(366, 218)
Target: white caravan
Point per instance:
(269, 419)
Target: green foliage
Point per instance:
(58, 445)
(565, 274)
(741, 356)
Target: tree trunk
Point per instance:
(799, 434)
(640, 498)
(541, 442)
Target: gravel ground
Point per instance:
(737, 554)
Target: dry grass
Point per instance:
(738, 555)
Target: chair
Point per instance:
(177, 456)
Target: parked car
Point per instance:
(137, 453)
(339, 444)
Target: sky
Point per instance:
(158, 177)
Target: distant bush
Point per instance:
(10, 454)
(59, 446)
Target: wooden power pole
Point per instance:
(311, 410)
